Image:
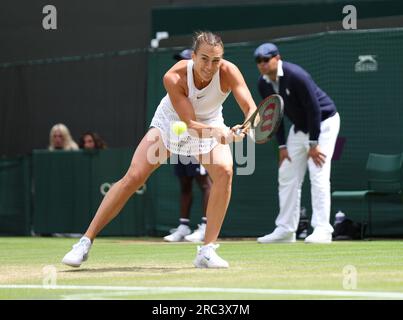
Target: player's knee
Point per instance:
(224, 173)
(133, 179)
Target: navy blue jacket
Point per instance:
(305, 104)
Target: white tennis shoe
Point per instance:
(207, 257)
(319, 236)
(198, 234)
(179, 234)
(278, 235)
(79, 253)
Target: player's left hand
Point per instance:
(317, 156)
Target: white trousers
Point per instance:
(291, 176)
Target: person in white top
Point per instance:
(187, 170)
(196, 90)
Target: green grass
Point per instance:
(153, 264)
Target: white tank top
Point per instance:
(207, 105)
(207, 102)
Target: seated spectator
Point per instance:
(60, 138)
(91, 140)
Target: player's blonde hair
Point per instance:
(207, 37)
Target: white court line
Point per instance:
(153, 290)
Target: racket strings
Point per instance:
(270, 117)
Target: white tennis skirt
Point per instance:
(184, 144)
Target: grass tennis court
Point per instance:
(147, 268)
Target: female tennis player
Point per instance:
(196, 89)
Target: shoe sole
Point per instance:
(167, 240)
(173, 240)
(72, 264)
(207, 267)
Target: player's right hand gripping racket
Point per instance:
(266, 119)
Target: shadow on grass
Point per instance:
(128, 269)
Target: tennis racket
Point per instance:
(266, 119)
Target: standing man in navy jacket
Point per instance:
(310, 143)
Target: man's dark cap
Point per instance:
(266, 50)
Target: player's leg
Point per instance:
(204, 181)
(219, 166)
(320, 183)
(185, 184)
(148, 156)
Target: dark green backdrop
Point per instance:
(69, 186)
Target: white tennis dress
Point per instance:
(207, 105)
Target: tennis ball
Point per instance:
(179, 127)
